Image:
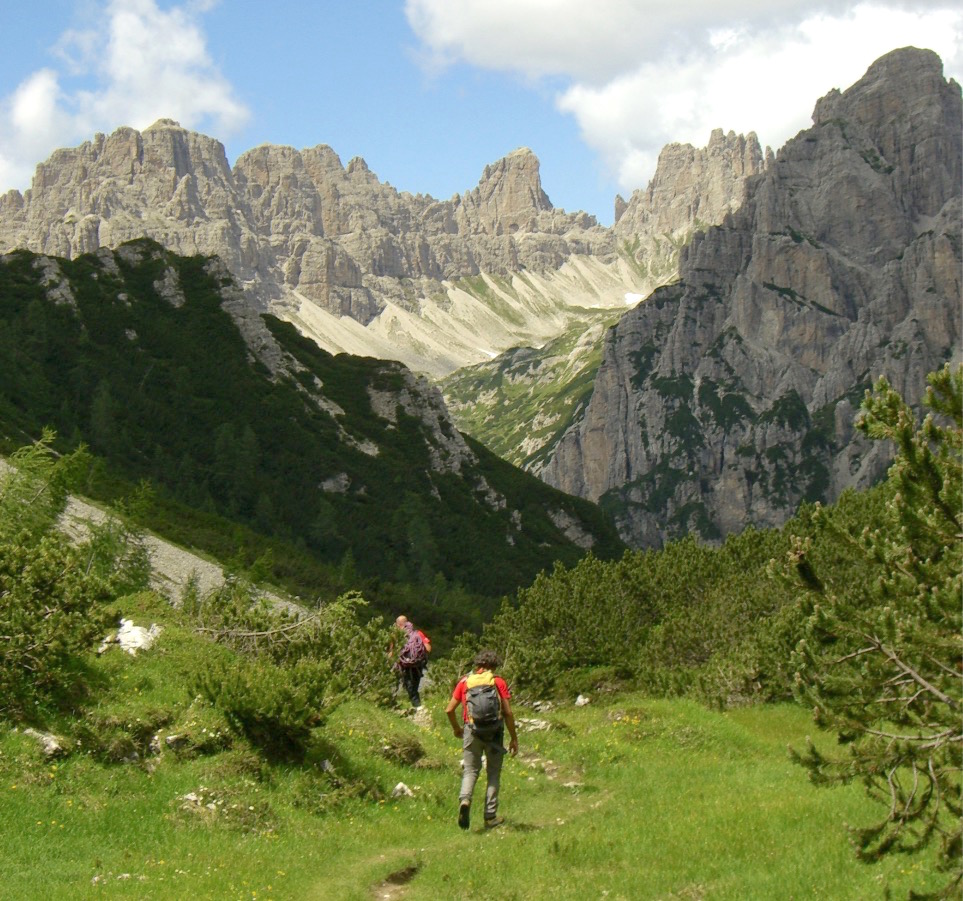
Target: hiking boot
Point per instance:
(491, 823)
(463, 812)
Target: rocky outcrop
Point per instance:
(728, 398)
(693, 188)
(361, 267)
(325, 245)
(519, 402)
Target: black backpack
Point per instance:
(483, 703)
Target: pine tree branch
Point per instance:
(906, 668)
(893, 793)
(909, 799)
(854, 655)
(267, 633)
(932, 741)
(956, 674)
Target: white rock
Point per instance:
(133, 638)
(527, 725)
(422, 716)
(402, 791)
(50, 743)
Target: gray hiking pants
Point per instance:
(494, 751)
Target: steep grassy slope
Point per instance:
(136, 354)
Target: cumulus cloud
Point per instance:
(141, 64)
(639, 74)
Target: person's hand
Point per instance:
(513, 746)
(459, 731)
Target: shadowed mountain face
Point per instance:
(726, 399)
(159, 363)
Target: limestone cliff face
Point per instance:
(728, 398)
(519, 402)
(693, 188)
(361, 267)
(299, 230)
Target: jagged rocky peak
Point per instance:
(509, 196)
(295, 227)
(167, 144)
(910, 115)
(882, 159)
(162, 148)
(692, 185)
(692, 188)
(728, 398)
(358, 170)
(165, 182)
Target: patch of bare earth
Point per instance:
(395, 885)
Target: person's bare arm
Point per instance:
(456, 726)
(510, 723)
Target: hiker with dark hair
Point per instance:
(412, 659)
(486, 711)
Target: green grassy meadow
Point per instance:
(625, 798)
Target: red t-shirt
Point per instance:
(460, 690)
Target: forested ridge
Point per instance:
(133, 355)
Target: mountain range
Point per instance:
(694, 368)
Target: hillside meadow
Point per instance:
(628, 797)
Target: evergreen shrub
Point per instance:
(53, 594)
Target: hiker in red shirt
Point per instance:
(486, 711)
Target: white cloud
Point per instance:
(588, 41)
(643, 73)
(143, 64)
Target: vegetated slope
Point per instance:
(158, 363)
(852, 609)
(520, 402)
(246, 751)
(727, 399)
(204, 817)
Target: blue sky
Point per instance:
(431, 91)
